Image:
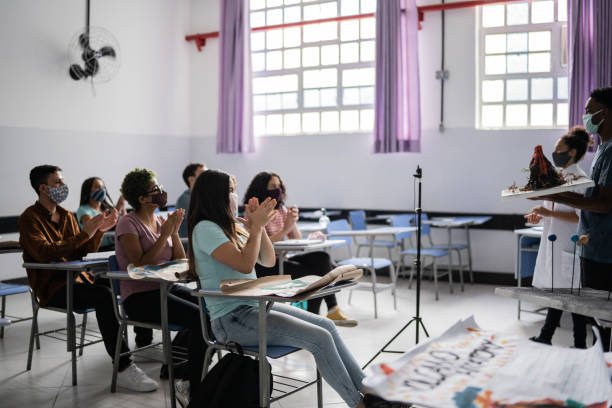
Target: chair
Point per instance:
(456, 247)
(273, 352)
(7, 289)
(124, 322)
(433, 254)
(370, 263)
(358, 222)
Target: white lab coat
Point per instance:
(563, 259)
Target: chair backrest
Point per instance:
(403, 220)
(425, 228)
(113, 265)
(340, 225)
(358, 219)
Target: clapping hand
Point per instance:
(258, 215)
(291, 218)
(109, 219)
(179, 215)
(93, 224)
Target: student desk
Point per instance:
(527, 245)
(308, 227)
(371, 235)
(265, 303)
(315, 215)
(284, 250)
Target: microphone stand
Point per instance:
(417, 319)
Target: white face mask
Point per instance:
(233, 203)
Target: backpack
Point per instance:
(232, 382)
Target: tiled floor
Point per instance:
(48, 384)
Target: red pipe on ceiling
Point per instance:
(200, 39)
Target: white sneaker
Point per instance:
(133, 378)
(181, 390)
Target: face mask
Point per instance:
(161, 199)
(58, 194)
(561, 159)
(587, 120)
(99, 195)
(276, 194)
(233, 203)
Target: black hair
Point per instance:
(210, 202)
(136, 184)
(259, 188)
(40, 174)
(577, 138)
(190, 171)
(603, 96)
(86, 193)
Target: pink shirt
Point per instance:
(278, 222)
(131, 224)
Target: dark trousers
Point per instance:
(311, 263)
(598, 275)
(553, 318)
(183, 310)
(100, 297)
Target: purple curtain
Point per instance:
(590, 56)
(235, 121)
(397, 122)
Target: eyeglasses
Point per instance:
(157, 189)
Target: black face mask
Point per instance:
(161, 199)
(561, 159)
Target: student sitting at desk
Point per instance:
(562, 221)
(94, 200)
(49, 233)
(219, 248)
(190, 174)
(144, 238)
(282, 226)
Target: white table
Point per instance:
(308, 227)
(284, 250)
(521, 234)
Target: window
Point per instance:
(522, 78)
(317, 78)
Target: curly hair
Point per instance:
(136, 184)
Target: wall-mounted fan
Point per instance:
(93, 53)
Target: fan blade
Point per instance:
(87, 54)
(92, 66)
(107, 52)
(76, 72)
(84, 41)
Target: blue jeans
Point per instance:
(291, 326)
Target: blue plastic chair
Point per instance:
(371, 264)
(8, 289)
(453, 247)
(358, 222)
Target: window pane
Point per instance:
(290, 100)
(543, 11)
(259, 102)
(311, 33)
(289, 2)
(350, 53)
(349, 30)
(258, 62)
(310, 56)
(258, 41)
(516, 89)
(274, 39)
(495, 44)
(312, 98)
(328, 97)
(366, 119)
(329, 10)
(292, 37)
(349, 120)
(495, 65)
(312, 12)
(259, 125)
(541, 114)
(562, 10)
(366, 95)
(329, 54)
(274, 3)
(273, 101)
(368, 6)
(359, 76)
(292, 14)
(562, 88)
(292, 58)
(493, 16)
(368, 51)
(539, 62)
(257, 4)
(349, 7)
(518, 13)
(319, 78)
(493, 91)
(274, 124)
(287, 83)
(516, 115)
(539, 41)
(517, 63)
(274, 60)
(274, 17)
(541, 89)
(368, 28)
(351, 96)
(330, 121)
(562, 114)
(517, 42)
(492, 115)
(258, 19)
(292, 123)
(311, 122)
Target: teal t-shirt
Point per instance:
(85, 209)
(208, 236)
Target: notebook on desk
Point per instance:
(298, 242)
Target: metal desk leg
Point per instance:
(163, 299)
(71, 324)
(469, 249)
(450, 260)
(519, 270)
(373, 271)
(264, 376)
(281, 262)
